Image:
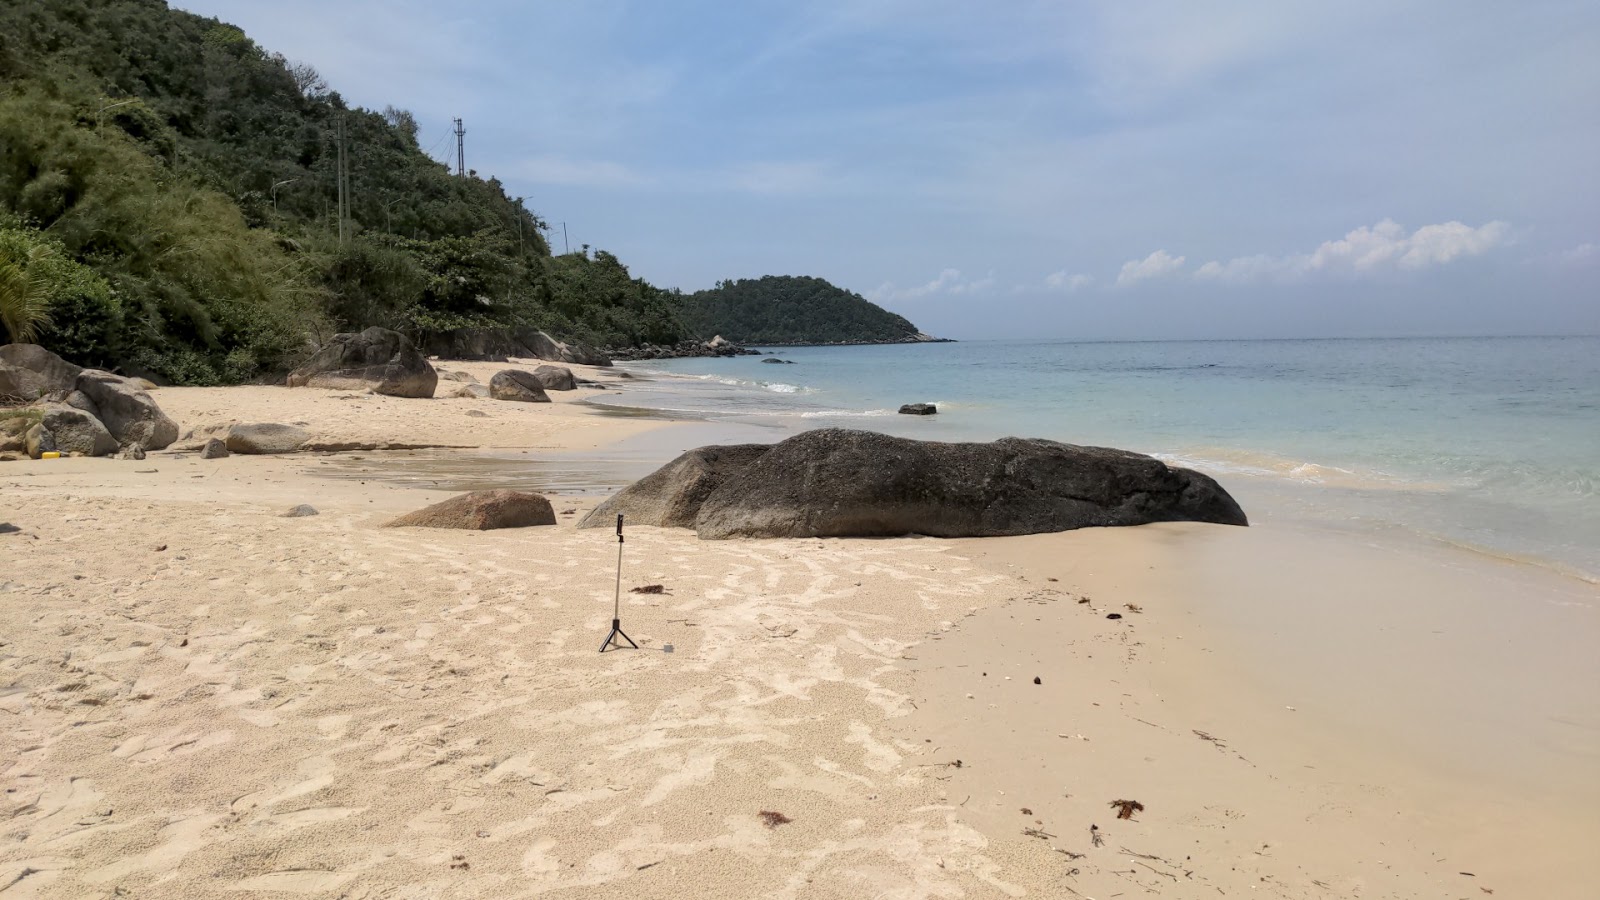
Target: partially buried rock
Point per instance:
(214, 449)
(471, 391)
(482, 511)
(384, 361)
(131, 452)
(517, 385)
(477, 414)
(919, 409)
(300, 512)
(671, 496)
(264, 437)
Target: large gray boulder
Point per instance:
(515, 384)
(28, 372)
(482, 511)
(127, 410)
(842, 483)
(69, 430)
(556, 378)
(384, 361)
(670, 497)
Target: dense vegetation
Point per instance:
(785, 309)
(168, 206)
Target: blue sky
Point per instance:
(1084, 170)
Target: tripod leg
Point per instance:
(612, 643)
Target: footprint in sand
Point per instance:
(295, 881)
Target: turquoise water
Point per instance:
(1491, 443)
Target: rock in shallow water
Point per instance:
(919, 409)
(841, 483)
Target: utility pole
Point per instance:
(339, 177)
(461, 150)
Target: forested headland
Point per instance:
(788, 309)
(169, 206)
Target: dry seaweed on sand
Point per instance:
(1126, 808)
(773, 819)
(649, 589)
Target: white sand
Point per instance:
(202, 699)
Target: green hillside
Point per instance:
(169, 206)
(787, 309)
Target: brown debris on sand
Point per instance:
(1126, 808)
(773, 819)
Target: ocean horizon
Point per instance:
(1490, 444)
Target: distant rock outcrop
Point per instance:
(517, 385)
(671, 496)
(841, 483)
(482, 511)
(377, 358)
(919, 409)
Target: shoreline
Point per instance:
(321, 704)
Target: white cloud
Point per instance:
(1381, 247)
(949, 282)
(1067, 283)
(1156, 265)
(777, 177)
(1581, 255)
(582, 172)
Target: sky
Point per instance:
(1099, 169)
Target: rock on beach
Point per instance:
(842, 483)
(482, 511)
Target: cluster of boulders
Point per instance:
(717, 346)
(53, 406)
(376, 359)
(841, 483)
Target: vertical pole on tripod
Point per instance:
(616, 603)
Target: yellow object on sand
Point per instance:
(50, 454)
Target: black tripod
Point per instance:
(611, 642)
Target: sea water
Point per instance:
(1492, 444)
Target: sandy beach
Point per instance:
(204, 698)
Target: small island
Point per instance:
(791, 310)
